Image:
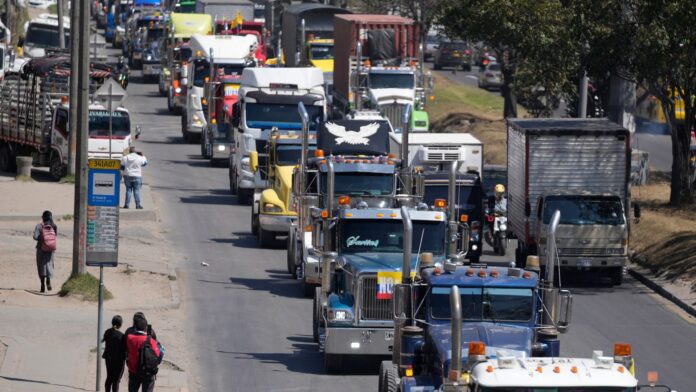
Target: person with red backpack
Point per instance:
(45, 234)
(143, 358)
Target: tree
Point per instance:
(665, 61)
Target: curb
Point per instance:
(663, 292)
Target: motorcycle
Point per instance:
(497, 236)
(122, 79)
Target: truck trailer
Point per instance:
(581, 167)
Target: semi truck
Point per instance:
(513, 311)
(378, 64)
(234, 27)
(582, 168)
(211, 55)
(227, 9)
(268, 99)
(217, 140)
(34, 113)
(273, 214)
(308, 32)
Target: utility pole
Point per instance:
(74, 62)
(582, 101)
(81, 56)
(61, 27)
(622, 88)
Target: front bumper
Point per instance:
(276, 223)
(581, 262)
(179, 101)
(151, 69)
(105, 155)
(359, 341)
(196, 128)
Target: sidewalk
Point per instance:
(27, 200)
(678, 292)
(47, 342)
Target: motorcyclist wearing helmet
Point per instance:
(122, 66)
(500, 208)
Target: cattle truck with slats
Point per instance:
(580, 167)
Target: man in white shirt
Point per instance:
(132, 165)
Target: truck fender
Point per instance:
(256, 202)
(269, 196)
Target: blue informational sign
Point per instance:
(104, 188)
(103, 194)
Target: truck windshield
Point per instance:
(554, 389)
(201, 70)
(44, 36)
(267, 115)
(485, 303)
(99, 124)
(361, 184)
(392, 80)
(155, 34)
(468, 197)
(289, 154)
(386, 236)
(322, 52)
(585, 210)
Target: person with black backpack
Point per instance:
(45, 234)
(143, 358)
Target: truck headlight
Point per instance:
(177, 90)
(197, 119)
(340, 315)
(271, 208)
(148, 57)
(221, 147)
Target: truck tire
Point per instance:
(391, 379)
(184, 124)
(265, 237)
(316, 314)
(5, 159)
(616, 274)
(254, 223)
(333, 363)
(56, 168)
(170, 103)
(290, 255)
(233, 181)
(381, 381)
(306, 288)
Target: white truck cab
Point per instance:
(41, 33)
(211, 54)
(268, 99)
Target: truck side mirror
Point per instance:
(253, 161)
(401, 297)
(636, 212)
(565, 310)
(138, 131)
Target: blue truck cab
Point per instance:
(512, 311)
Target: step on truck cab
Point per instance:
(379, 58)
(356, 151)
(582, 168)
(268, 99)
(273, 213)
(447, 305)
(34, 112)
(180, 29)
(209, 55)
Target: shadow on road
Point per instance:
(591, 284)
(276, 284)
(307, 359)
(170, 140)
(208, 199)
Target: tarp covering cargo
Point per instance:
(354, 137)
(381, 45)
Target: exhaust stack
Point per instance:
(456, 314)
(408, 246)
(405, 172)
(358, 70)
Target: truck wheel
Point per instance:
(316, 314)
(616, 275)
(332, 363)
(290, 255)
(5, 159)
(184, 124)
(265, 237)
(170, 104)
(307, 289)
(383, 366)
(520, 256)
(56, 168)
(233, 181)
(245, 196)
(391, 379)
(254, 223)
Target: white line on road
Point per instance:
(472, 76)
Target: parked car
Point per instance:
(452, 54)
(490, 76)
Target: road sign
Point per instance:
(118, 94)
(103, 194)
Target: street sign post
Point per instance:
(103, 194)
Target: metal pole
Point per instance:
(582, 103)
(61, 28)
(74, 57)
(100, 310)
(111, 115)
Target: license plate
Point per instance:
(584, 263)
(389, 335)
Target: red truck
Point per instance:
(387, 74)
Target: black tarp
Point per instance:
(381, 45)
(354, 137)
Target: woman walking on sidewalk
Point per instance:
(114, 354)
(45, 234)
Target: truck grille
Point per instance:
(372, 308)
(588, 252)
(394, 112)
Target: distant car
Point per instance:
(431, 43)
(490, 76)
(452, 54)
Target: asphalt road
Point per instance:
(649, 136)
(249, 328)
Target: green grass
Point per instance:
(83, 286)
(68, 179)
(450, 96)
(53, 9)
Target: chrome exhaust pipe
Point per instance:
(408, 246)
(456, 314)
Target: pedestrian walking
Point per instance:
(143, 356)
(114, 354)
(45, 234)
(132, 166)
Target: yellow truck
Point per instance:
(272, 210)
